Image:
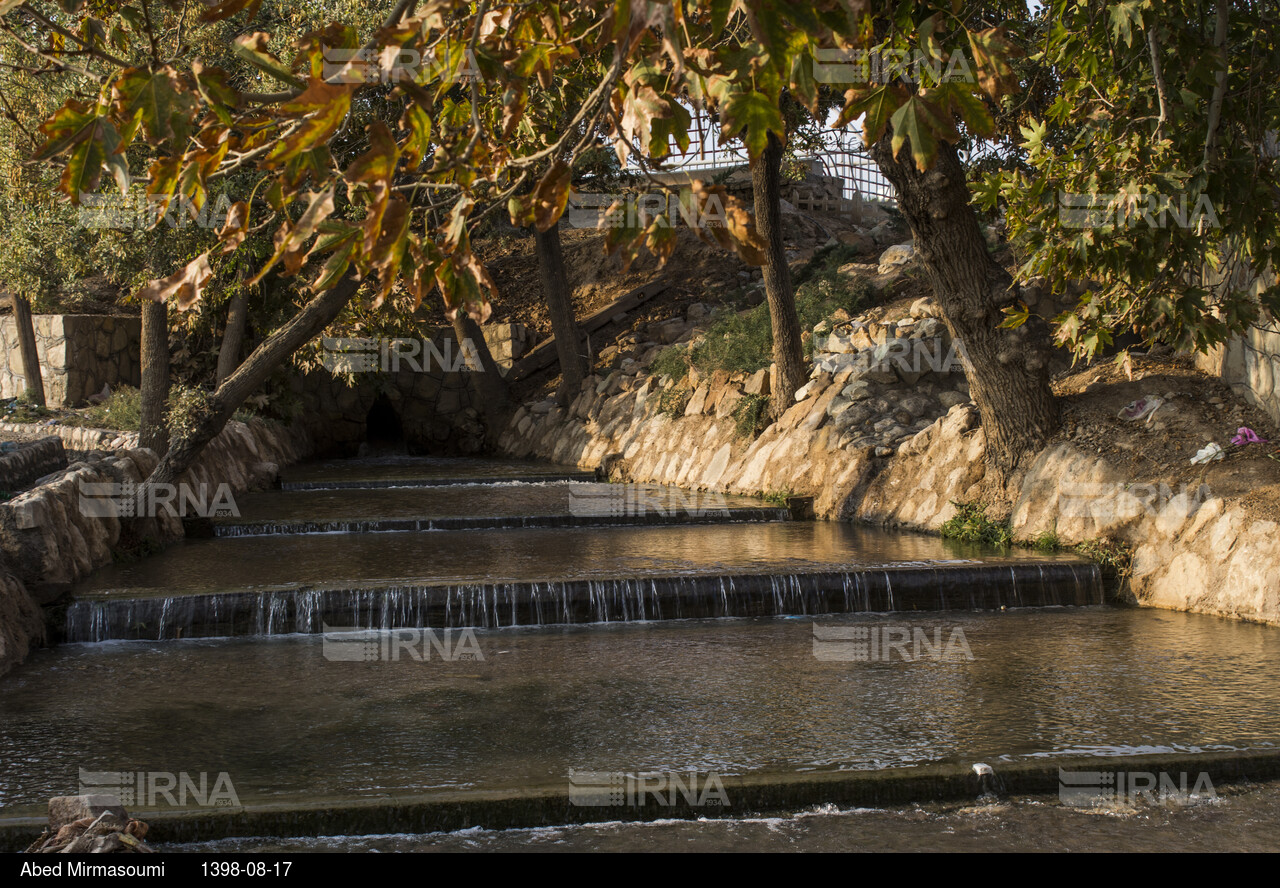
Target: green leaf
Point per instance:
(971, 109)
(921, 122)
(752, 115)
(878, 105)
(1124, 15)
(157, 99)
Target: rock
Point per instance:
(263, 475)
(885, 232)
(69, 809)
(924, 307)
(895, 257)
(857, 240)
(671, 330)
(915, 405)
(883, 451)
(758, 384)
(812, 387)
(727, 402)
(699, 400)
(857, 390)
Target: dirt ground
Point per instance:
(1198, 410)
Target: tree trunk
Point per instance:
(233, 336)
(155, 376)
(487, 385)
(251, 374)
(27, 345)
(1007, 369)
(564, 326)
(788, 352)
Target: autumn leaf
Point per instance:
(991, 53)
(253, 49)
(228, 8)
(323, 107)
(290, 239)
(235, 228)
(551, 196)
(877, 104)
(185, 285)
(389, 250)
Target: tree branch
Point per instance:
(1220, 86)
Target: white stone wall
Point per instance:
(78, 355)
(1250, 364)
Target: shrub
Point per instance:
(1113, 557)
(743, 340)
(672, 361)
(121, 411)
(971, 525)
(183, 409)
(777, 497)
(1046, 541)
(751, 415)
(21, 409)
(673, 400)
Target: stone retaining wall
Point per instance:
(31, 461)
(865, 451)
(79, 354)
(428, 387)
(1250, 364)
(77, 437)
(50, 542)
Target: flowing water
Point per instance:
(1236, 821)
(497, 709)
(400, 628)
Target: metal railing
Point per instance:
(843, 157)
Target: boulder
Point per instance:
(758, 384)
(895, 257)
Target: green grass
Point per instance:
(825, 261)
(1046, 541)
(971, 525)
(121, 411)
(741, 340)
(777, 497)
(672, 361)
